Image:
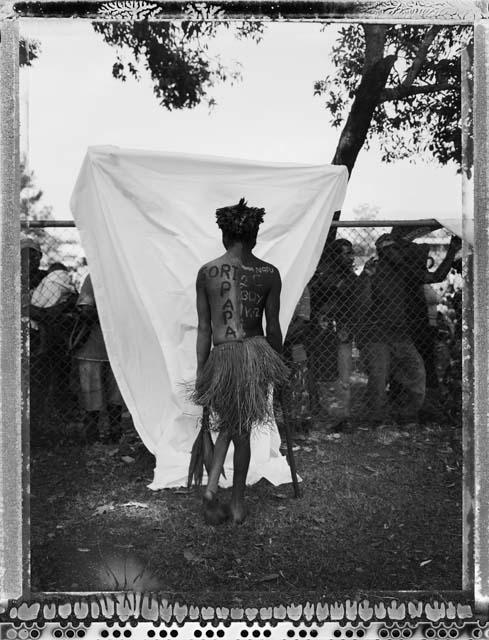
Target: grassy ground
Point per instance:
(379, 511)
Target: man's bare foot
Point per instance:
(214, 512)
(238, 512)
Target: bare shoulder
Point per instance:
(202, 275)
(204, 269)
(267, 268)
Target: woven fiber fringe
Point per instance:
(235, 383)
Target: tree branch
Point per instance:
(401, 92)
(420, 56)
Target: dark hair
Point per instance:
(57, 266)
(240, 222)
(338, 244)
(416, 254)
(333, 251)
(387, 237)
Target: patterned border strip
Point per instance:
(431, 11)
(238, 631)
(148, 607)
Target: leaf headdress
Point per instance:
(240, 220)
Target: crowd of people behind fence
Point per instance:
(388, 321)
(384, 329)
(68, 363)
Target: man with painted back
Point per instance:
(237, 365)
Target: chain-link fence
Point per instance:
(376, 336)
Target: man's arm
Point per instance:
(37, 313)
(442, 271)
(204, 329)
(301, 317)
(363, 287)
(272, 310)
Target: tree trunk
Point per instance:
(376, 71)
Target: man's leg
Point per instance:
(90, 372)
(432, 409)
(378, 364)
(343, 386)
(409, 370)
(214, 513)
(241, 463)
(220, 451)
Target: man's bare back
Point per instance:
(237, 293)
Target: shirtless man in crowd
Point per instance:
(236, 364)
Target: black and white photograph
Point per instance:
(242, 306)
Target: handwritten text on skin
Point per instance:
(252, 307)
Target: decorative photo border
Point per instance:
(400, 614)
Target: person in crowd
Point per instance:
(422, 315)
(320, 341)
(31, 277)
(446, 333)
(388, 349)
(236, 364)
(48, 298)
(396, 309)
(432, 299)
(296, 396)
(54, 300)
(31, 256)
(55, 289)
(449, 355)
(337, 289)
(99, 389)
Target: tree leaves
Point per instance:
(175, 55)
(419, 110)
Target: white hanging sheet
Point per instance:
(459, 228)
(147, 223)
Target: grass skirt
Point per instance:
(235, 383)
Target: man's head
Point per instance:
(389, 249)
(30, 249)
(342, 253)
(239, 223)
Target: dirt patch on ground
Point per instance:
(379, 511)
